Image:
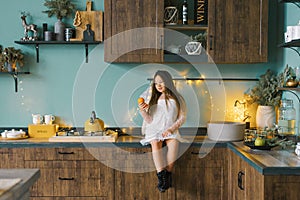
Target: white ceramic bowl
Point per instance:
(226, 131)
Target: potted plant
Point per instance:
(10, 58)
(61, 9)
(267, 96)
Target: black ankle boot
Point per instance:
(169, 178)
(163, 184)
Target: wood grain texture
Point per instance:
(125, 38)
(238, 31)
(94, 18)
(202, 178)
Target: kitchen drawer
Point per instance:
(82, 178)
(44, 185)
(58, 154)
(11, 158)
(215, 157)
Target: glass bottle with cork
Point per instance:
(287, 118)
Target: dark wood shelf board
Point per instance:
(289, 88)
(289, 1)
(211, 79)
(186, 27)
(293, 43)
(37, 43)
(57, 42)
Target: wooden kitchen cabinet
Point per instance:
(201, 178)
(238, 31)
(125, 38)
(253, 185)
(245, 181)
(137, 179)
(69, 173)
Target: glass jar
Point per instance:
(287, 118)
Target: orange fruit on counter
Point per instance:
(141, 100)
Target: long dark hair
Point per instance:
(170, 91)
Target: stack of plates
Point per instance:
(14, 134)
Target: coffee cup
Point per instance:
(37, 118)
(48, 119)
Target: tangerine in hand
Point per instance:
(141, 100)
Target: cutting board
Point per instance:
(6, 184)
(94, 18)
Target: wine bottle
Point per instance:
(185, 12)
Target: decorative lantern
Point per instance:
(171, 15)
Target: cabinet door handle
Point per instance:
(210, 42)
(66, 179)
(240, 180)
(62, 152)
(161, 41)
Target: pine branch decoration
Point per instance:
(59, 8)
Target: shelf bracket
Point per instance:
(298, 5)
(294, 94)
(86, 53)
(15, 76)
(295, 50)
(37, 53)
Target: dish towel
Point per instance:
(7, 183)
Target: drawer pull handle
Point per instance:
(60, 152)
(240, 180)
(66, 179)
(198, 153)
(137, 153)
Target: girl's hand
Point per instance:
(166, 133)
(143, 106)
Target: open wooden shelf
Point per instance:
(37, 43)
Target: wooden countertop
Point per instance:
(273, 162)
(269, 162)
(26, 178)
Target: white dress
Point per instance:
(162, 119)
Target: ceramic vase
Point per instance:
(59, 30)
(265, 116)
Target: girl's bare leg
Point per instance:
(172, 152)
(157, 154)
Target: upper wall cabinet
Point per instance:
(126, 37)
(238, 31)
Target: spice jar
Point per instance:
(287, 117)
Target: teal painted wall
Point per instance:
(64, 85)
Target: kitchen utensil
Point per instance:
(94, 18)
(49, 119)
(37, 118)
(94, 124)
(13, 134)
